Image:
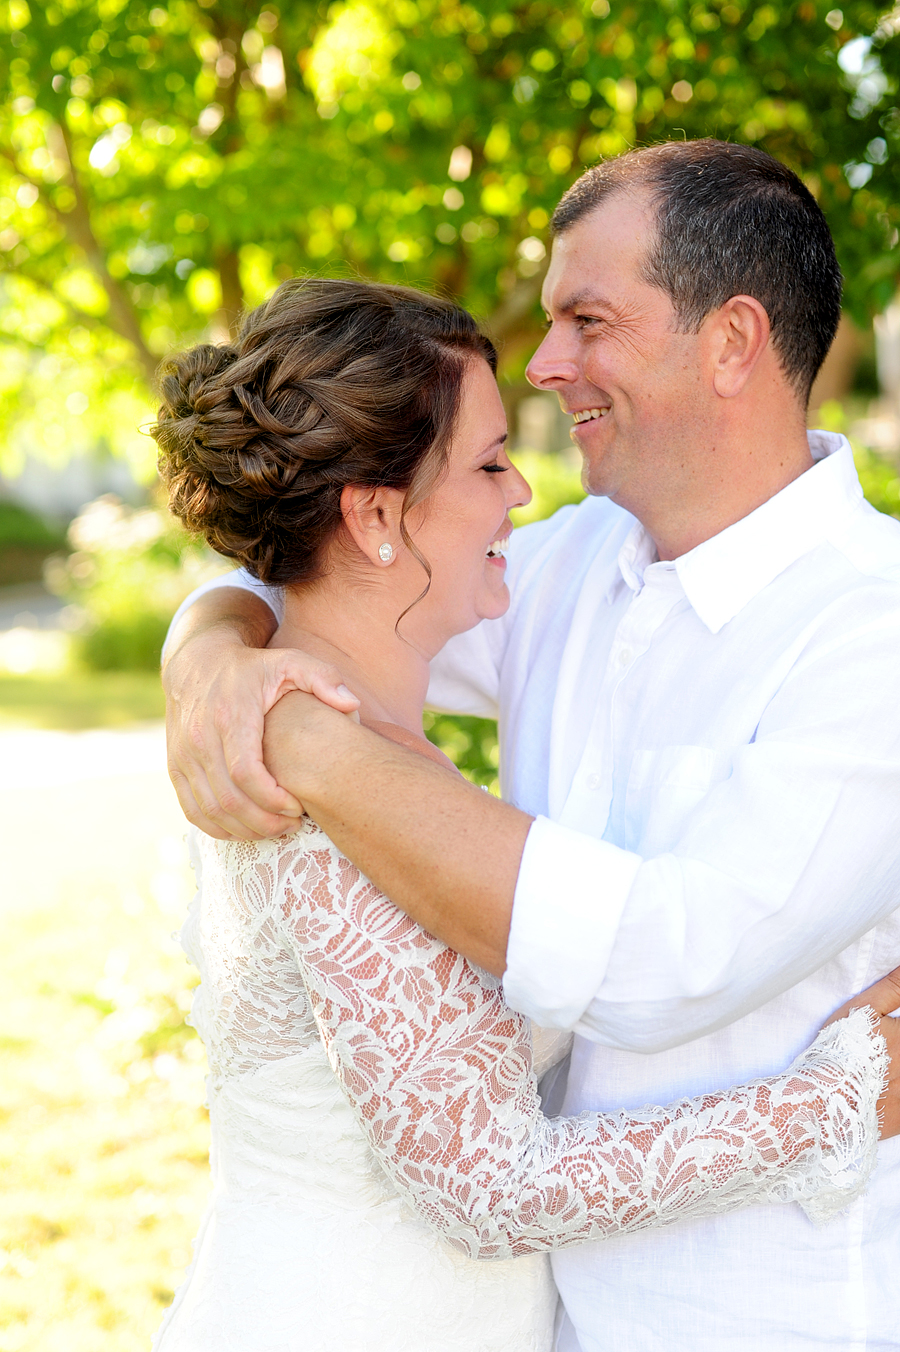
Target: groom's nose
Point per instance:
(554, 365)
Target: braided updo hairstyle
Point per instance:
(329, 383)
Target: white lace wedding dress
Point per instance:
(377, 1133)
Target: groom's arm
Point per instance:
(445, 851)
(219, 685)
(220, 680)
(779, 868)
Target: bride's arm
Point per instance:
(438, 1070)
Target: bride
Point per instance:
(376, 1123)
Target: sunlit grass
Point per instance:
(103, 1139)
(74, 699)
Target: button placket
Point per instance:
(589, 797)
(634, 638)
(591, 791)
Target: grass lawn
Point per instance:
(103, 1138)
(80, 699)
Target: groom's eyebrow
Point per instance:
(579, 299)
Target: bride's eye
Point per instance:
(495, 468)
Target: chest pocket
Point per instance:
(664, 787)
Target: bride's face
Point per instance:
(461, 525)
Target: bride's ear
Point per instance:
(372, 519)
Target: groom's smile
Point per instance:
(615, 356)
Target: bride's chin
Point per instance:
(498, 606)
(491, 608)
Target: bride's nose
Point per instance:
(518, 489)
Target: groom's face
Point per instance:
(617, 360)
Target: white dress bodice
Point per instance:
(377, 1134)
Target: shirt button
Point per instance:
(593, 781)
(625, 656)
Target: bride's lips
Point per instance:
(498, 546)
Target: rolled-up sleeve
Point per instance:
(272, 596)
(569, 901)
(782, 865)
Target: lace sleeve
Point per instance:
(439, 1072)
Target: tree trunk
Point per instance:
(514, 308)
(228, 31)
(452, 274)
(228, 317)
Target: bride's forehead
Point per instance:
(481, 394)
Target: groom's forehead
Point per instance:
(592, 281)
(604, 247)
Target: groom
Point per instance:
(699, 856)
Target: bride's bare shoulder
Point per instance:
(413, 740)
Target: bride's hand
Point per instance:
(884, 998)
(218, 692)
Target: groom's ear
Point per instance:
(372, 518)
(737, 336)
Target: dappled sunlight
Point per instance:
(102, 1132)
(24, 650)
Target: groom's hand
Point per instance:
(443, 851)
(220, 682)
(884, 998)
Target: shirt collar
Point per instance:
(636, 554)
(724, 573)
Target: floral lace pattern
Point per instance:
(296, 946)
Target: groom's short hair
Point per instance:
(731, 221)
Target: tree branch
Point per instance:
(77, 224)
(75, 313)
(121, 316)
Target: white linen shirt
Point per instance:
(711, 748)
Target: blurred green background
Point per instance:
(162, 167)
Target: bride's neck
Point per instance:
(353, 626)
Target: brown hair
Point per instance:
(329, 383)
(730, 221)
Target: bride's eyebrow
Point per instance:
(498, 442)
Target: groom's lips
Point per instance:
(583, 415)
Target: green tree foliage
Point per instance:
(162, 165)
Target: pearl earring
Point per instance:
(385, 552)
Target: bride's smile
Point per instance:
(461, 527)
